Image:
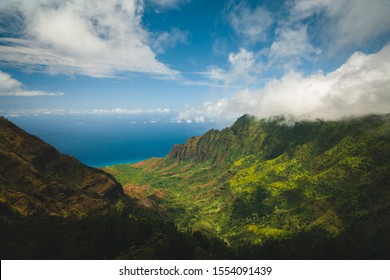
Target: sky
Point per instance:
(195, 61)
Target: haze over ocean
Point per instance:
(103, 141)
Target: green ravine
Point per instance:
(260, 189)
(260, 181)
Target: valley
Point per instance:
(263, 181)
(259, 189)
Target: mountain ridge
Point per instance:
(37, 179)
(248, 128)
(262, 181)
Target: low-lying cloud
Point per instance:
(95, 111)
(12, 87)
(360, 86)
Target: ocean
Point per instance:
(100, 141)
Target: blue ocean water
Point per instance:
(103, 141)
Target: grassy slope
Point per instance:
(265, 180)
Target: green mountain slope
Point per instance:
(54, 207)
(268, 188)
(295, 186)
(37, 179)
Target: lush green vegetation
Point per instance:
(269, 189)
(54, 207)
(277, 183)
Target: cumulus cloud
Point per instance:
(251, 24)
(290, 48)
(241, 68)
(12, 87)
(189, 117)
(93, 38)
(349, 22)
(310, 31)
(360, 86)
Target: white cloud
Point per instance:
(292, 43)
(12, 87)
(200, 119)
(96, 111)
(93, 38)
(168, 3)
(290, 48)
(360, 86)
(310, 31)
(251, 24)
(166, 40)
(189, 117)
(349, 22)
(241, 69)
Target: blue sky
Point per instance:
(195, 60)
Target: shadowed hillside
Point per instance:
(36, 179)
(54, 207)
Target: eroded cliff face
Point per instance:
(36, 179)
(217, 146)
(269, 139)
(185, 151)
